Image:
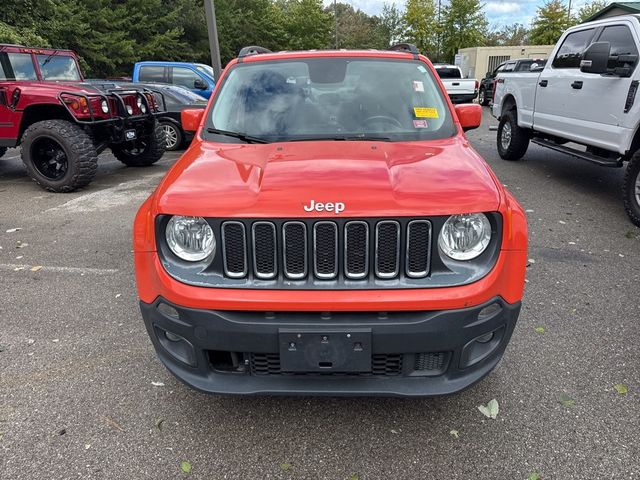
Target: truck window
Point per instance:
(447, 72)
(570, 52)
(58, 67)
(151, 75)
(621, 40)
(524, 66)
(17, 66)
(510, 67)
(184, 77)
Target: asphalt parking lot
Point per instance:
(82, 394)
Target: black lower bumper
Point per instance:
(422, 353)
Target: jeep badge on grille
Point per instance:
(337, 207)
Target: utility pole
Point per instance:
(335, 24)
(569, 11)
(212, 29)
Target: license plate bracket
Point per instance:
(325, 351)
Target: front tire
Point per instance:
(173, 136)
(144, 151)
(512, 140)
(631, 189)
(59, 155)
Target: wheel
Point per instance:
(512, 140)
(59, 155)
(631, 189)
(482, 97)
(144, 151)
(3, 150)
(173, 135)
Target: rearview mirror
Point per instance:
(200, 84)
(191, 118)
(469, 115)
(595, 58)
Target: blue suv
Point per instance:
(196, 77)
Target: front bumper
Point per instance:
(413, 353)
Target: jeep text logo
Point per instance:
(325, 207)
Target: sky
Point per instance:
(499, 12)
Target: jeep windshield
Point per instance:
(347, 99)
(20, 66)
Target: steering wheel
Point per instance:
(382, 119)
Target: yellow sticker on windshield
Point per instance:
(424, 112)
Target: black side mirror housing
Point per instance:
(200, 84)
(595, 58)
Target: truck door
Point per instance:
(192, 80)
(554, 84)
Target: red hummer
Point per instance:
(63, 123)
(330, 231)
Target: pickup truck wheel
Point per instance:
(59, 155)
(513, 141)
(3, 150)
(631, 189)
(482, 97)
(142, 152)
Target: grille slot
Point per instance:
(387, 249)
(264, 250)
(418, 248)
(325, 250)
(356, 250)
(294, 236)
(234, 249)
(388, 365)
(265, 363)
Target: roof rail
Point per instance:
(405, 47)
(252, 50)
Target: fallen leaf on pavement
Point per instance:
(159, 423)
(36, 268)
(157, 384)
(285, 467)
(566, 400)
(490, 410)
(112, 423)
(539, 329)
(454, 433)
(621, 388)
(186, 467)
(13, 230)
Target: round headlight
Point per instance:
(465, 237)
(143, 108)
(104, 106)
(129, 110)
(190, 238)
(139, 101)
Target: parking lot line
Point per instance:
(75, 270)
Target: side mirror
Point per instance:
(595, 58)
(469, 115)
(191, 118)
(200, 84)
(489, 74)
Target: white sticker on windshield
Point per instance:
(418, 86)
(422, 69)
(291, 80)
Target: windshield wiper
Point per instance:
(343, 138)
(241, 136)
(48, 59)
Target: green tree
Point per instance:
(392, 24)
(509, 35)
(306, 25)
(422, 28)
(590, 9)
(551, 20)
(464, 25)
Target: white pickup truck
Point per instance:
(460, 90)
(586, 95)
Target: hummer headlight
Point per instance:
(190, 238)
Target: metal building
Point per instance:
(475, 62)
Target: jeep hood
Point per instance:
(370, 178)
